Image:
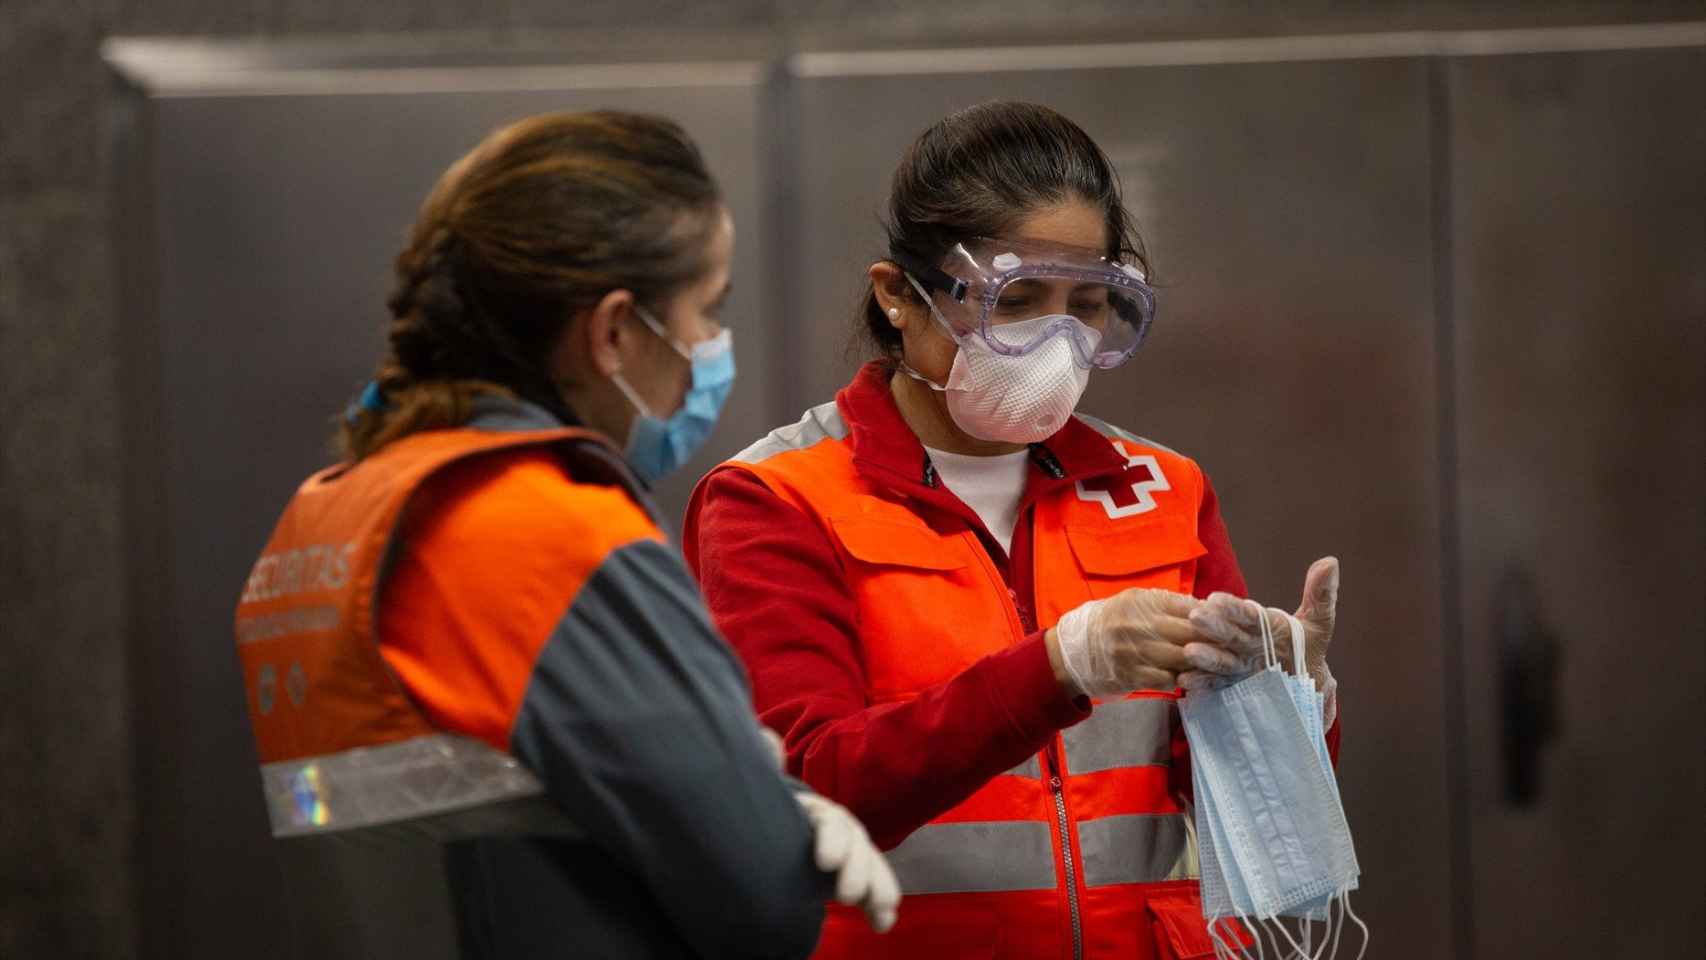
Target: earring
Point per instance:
(894, 313)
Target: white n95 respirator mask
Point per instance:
(1015, 398)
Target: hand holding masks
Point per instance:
(1237, 624)
(1133, 640)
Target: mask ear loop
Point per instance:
(1270, 658)
(1297, 950)
(633, 397)
(1326, 934)
(1297, 645)
(1346, 898)
(1221, 950)
(1235, 950)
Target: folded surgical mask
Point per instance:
(656, 445)
(1272, 836)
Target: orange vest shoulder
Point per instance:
(493, 551)
(305, 622)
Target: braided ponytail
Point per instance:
(539, 221)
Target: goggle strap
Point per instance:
(932, 277)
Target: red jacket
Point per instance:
(774, 577)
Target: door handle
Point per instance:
(1529, 655)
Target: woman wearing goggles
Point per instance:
(970, 610)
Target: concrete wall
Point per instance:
(67, 828)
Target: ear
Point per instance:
(895, 292)
(601, 336)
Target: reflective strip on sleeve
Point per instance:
(369, 786)
(822, 422)
(975, 858)
(1139, 848)
(1124, 733)
(1030, 768)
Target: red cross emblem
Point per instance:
(1126, 494)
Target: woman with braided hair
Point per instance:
(507, 726)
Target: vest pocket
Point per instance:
(1156, 554)
(891, 543)
(1180, 931)
(927, 608)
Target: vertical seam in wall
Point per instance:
(777, 159)
(1451, 593)
(127, 142)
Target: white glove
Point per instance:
(1133, 640)
(862, 875)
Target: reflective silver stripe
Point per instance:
(369, 786)
(822, 422)
(1030, 768)
(976, 858)
(1107, 429)
(1131, 849)
(1123, 733)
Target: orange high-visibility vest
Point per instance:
(1081, 851)
(317, 685)
(361, 788)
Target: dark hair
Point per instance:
(538, 222)
(977, 173)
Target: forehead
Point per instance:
(1073, 223)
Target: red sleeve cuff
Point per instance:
(1023, 685)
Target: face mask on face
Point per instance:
(1272, 836)
(1013, 399)
(658, 446)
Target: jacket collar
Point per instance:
(597, 459)
(886, 452)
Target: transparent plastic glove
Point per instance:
(1133, 640)
(862, 875)
(1234, 623)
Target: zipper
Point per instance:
(1055, 785)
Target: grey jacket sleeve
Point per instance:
(638, 720)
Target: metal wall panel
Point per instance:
(1287, 208)
(1580, 274)
(276, 213)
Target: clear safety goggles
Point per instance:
(984, 284)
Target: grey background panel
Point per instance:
(1287, 210)
(1580, 272)
(276, 219)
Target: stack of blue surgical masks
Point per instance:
(1271, 834)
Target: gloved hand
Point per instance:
(862, 875)
(1133, 640)
(1235, 623)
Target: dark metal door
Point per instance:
(1579, 190)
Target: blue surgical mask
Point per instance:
(1272, 836)
(657, 446)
